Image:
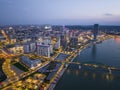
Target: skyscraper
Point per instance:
(95, 31)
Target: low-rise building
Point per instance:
(18, 49)
(30, 63)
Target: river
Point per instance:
(107, 52)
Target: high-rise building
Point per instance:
(26, 48)
(47, 40)
(95, 31)
(43, 50)
(57, 45)
(32, 47)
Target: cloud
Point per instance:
(108, 14)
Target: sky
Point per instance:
(60, 12)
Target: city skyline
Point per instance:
(50, 57)
(69, 12)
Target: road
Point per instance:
(25, 74)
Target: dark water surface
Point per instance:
(108, 52)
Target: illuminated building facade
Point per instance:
(95, 31)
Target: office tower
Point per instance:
(95, 31)
(43, 50)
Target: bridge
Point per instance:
(67, 62)
(109, 68)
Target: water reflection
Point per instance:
(109, 77)
(85, 74)
(103, 76)
(94, 50)
(77, 72)
(117, 39)
(68, 71)
(94, 75)
(95, 78)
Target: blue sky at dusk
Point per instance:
(80, 12)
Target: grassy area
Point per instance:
(21, 67)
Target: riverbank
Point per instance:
(61, 71)
(78, 51)
(58, 76)
(94, 78)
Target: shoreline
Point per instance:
(64, 69)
